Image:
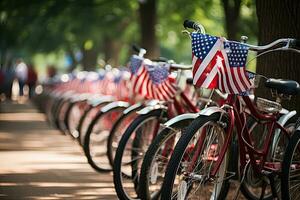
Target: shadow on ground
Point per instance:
(38, 162)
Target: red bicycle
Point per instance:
(199, 163)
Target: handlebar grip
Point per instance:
(191, 24)
(295, 43)
(189, 81)
(160, 59)
(136, 48)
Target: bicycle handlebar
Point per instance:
(193, 25)
(287, 42)
(174, 66)
(139, 50)
(160, 59)
(190, 24)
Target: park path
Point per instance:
(38, 162)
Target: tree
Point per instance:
(232, 16)
(279, 19)
(148, 20)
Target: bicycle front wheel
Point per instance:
(130, 152)
(95, 147)
(188, 172)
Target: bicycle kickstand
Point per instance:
(271, 176)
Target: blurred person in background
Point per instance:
(21, 74)
(31, 79)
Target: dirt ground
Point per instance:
(38, 162)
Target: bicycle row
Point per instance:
(173, 131)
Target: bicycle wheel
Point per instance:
(61, 114)
(80, 123)
(130, 152)
(117, 131)
(290, 181)
(258, 187)
(157, 157)
(88, 118)
(96, 138)
(188, 172)
(74, 115)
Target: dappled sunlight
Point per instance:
(40, 163)
(22, 117)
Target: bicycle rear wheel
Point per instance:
(188, 172)
(258, 187)
(290, 181)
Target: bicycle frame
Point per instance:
(237, 118)
(175, 107)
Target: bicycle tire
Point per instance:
(113, 133)
(286, 167)
(150, 155)
(60, 115)
(255, 195)
(87, 141)
(118, 174)
(81, 122)
(178, 154)
(72, 119)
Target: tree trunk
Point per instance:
(279, 19)
(112, 48)
(232, 16)
(89, 59)
(148, 20)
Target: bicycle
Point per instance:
(207, 140)
(138, 136)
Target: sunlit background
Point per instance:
(87, 34)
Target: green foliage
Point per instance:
(43, 27)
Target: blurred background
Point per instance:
(58, 36)
(87, 34)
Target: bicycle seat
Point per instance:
(283, 86)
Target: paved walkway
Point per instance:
(38, 162)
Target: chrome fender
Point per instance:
(132, 108)
(113, 105)
(150, 108)
(180, 118)
(211, 110)
(80, 97)
(282, 121)
(96, 100)
(284, 118)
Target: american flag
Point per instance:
(219, 64)
(139, 75)
(233, 78)
(159, 86)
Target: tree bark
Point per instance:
(89, 59)
(279, 19)
(112, 49)
(232, 16)
(148, 21)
